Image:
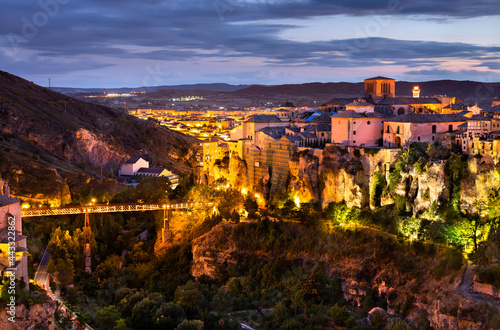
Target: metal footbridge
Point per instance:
(107, 208)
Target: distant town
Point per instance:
(381, 119)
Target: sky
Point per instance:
(124, 43)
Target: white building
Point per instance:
(132, 165)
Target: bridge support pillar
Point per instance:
(86, 244)
(166, 233)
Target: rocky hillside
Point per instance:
(418, 283)
(47, 137)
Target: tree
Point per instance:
(63, 270)
(190, 325)
(121, 325)
(108, 317)
(143, 313)
(251, 206)
(222, 302)
(191, 297)
(169, 316)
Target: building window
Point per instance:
(368, 122)
(397, 130)
(433, 129)
(354, 133)
(433, 138)
(353, 141)
(387, 128)
(322, 134)
(418, 138)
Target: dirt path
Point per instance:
(465, 288)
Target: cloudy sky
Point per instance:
(116, 43)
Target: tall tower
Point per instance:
(380, 87)
(416, 92)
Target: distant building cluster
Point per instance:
(380, 119)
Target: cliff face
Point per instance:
(335, 174)
(40, 316)
(348, 174)
(476, 186)
(233, 169)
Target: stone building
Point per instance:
(13, 250)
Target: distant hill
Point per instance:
(51, 144)
(470, 91)
(211, 87)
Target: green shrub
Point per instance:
(339, 315)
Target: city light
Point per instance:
(296, 199)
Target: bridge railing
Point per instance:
(104, 208)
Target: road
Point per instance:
(41, 275)
(465, 288)
(42, 279)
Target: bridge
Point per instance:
(103, 208)
(107, 208)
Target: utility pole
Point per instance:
(86, 244)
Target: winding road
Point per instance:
(466, 288)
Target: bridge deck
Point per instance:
(105, 208)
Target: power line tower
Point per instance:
(86, 244)
(166, 233)
(49, 82)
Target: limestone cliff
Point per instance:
(335, 174)
(233, 169)
(481, 179)
(39, 316)
(349, 174)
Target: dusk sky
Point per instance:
(118, 43)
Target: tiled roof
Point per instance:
(155, 170)
(380, 78)
(324, 117)
(274, 132)
(324, 127)
(360, 103)
(293, 138)
(456, 106)
(415, 118)
(420, 100)
(6, 200)
(132, 160)
(479, 118)
(263, 119)
(293, 129)
(391, 101)
(307, 135)
(496, 108)
(354, 114)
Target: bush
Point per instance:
(340, 315)
(190, 325)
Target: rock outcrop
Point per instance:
(348, 174)
(39, 316)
